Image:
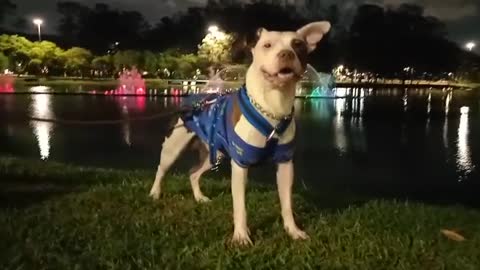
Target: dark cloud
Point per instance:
(447, 10)
(153, 10)
(456, 13)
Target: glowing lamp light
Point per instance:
(213, 29)
(464, 110)
(470, 46)
(38, 21)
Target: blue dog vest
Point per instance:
(214, 127)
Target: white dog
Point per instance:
(251, 125)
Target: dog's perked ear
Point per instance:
(259, 33)
(255, 37)
(312, 33)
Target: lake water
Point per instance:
(418, 144)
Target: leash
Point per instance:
(198, 105)
(108, 122)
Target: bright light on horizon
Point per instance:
(213, 29)
(38, 21)
(470, 46)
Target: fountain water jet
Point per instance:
(315, 84)
(6, 83)
(131, 83)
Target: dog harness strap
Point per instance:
(257, 120)
(252, 115)
(212, 123)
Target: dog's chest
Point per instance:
(240, 141)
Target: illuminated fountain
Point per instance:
(6, 83)
(130, 83)
(316, 84)
(227, 78)
(313, 84)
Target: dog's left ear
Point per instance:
(312, 33)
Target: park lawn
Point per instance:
(56, 216)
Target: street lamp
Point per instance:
(39, 23)
(470, 46)
(213, 29)
(215, 32)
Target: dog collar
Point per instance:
(267, 113)
(255, 118)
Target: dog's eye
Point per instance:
(298, 43)
(267, 45)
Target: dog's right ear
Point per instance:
(259, 32)
(256, 38)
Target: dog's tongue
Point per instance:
(285, 73)
(285, 76)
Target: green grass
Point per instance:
(55, 216)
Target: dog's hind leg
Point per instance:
(171, 149)
(196, 173)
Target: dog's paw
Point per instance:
(202, 199)
(241, 238)
(297, 234)
(155, 194)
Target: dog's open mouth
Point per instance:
(283, 74)
(286, 73)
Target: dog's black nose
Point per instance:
(286, 55)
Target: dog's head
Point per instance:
(281, 57)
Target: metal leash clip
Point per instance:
(271, 134)
(217, 164)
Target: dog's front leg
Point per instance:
(239, 184)
(285, 183)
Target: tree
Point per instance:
(126, 59)
(34, 66)
(167, 62)
(150, 62)
(76, 60)
(187, 64)
(103, 65)
(4, 63)
(99, 27)
(216, 47)
(49, 55)
(17, 49)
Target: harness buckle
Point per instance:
(271, 134)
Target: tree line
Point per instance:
(377, 39)
(23, 56)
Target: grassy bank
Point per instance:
(55, 216)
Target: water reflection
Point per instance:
(405, 101)
(126, 126)
(464, 159)
(448, 99)
(339, 126)
(343, 116)
(41, 107)
(343, 129)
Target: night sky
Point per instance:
(461, 16)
